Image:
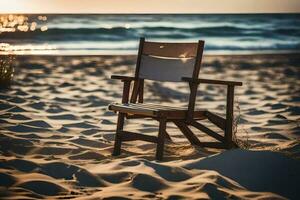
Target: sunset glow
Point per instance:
(155, 6)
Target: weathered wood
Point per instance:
(138, 60)
(118, 136)
(208, 131)
(123, 78)
(217, 145)
(198, 61)
(157, 111)
(208, 81)
(135, 91)
(229, 116)
(120, 122)
(158, 106)
(182, 117)
(131, 136)
(216, 120)
(178, 50)
(126, 90)
(192, 100)
(194, 86)
(135, 116)
(132, 109)
(187, 132)
(141, 91)
(180, 114)
(166, 69)
(137, 69)
(161, 139)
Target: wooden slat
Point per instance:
(170, 112)
(177, 50)
(135, 116)
(128, 109)
(158, 106)
(131, 136)
(217, 145)
(215, 119)
(151, 107)
(207, 131)
(165, 69)
(180, 114)
(121, 77)
(211, 81)
(187, 132)
(155, 111)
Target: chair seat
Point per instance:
(154, 110)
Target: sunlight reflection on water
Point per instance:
(85, 34)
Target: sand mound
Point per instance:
(6, 180)
(42, 187)
(147, 183)
(256, 170)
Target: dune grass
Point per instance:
(241, 142)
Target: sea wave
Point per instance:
(115, 32)
(153, 32)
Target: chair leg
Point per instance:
(229, 117)
(118, 139)
(161, 139)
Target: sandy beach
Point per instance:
(56, 133)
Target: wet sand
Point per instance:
(56, 134)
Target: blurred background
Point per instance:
(94, 34)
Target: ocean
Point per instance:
(84, 34)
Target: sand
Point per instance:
(56, 134)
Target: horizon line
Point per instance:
(148, 13)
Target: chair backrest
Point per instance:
(168, 61)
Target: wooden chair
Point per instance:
(171, 62)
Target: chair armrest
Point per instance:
(123, 78)
(210, 81)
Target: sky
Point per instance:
(149, 6)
